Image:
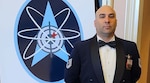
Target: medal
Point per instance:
(129, 62)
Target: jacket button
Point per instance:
(123, 81)
(91, 80)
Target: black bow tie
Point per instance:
(111, 44)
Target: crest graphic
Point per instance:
(45, 33)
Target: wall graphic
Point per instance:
(45, 33)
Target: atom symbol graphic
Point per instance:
(50, 38)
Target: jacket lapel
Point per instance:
(96, 60)
(120, 63)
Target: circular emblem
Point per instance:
(46, 31)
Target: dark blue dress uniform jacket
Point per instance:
(85, 66)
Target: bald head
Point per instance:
(105, 9)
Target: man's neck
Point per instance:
(107, 38)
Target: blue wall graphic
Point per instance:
(45, 33)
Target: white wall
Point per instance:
(119, 6)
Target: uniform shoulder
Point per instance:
(125, 42)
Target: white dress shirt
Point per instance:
(108, 61)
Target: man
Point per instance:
(104, 58)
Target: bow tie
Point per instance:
(111, 44)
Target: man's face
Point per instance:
(105, 21)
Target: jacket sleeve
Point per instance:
(136, 69)
(72, 70)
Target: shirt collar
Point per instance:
(99, 38)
